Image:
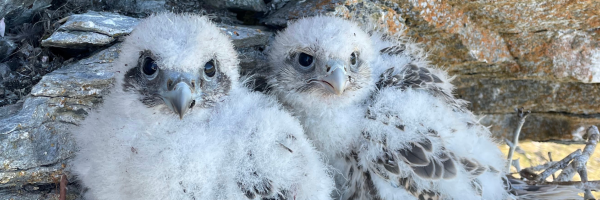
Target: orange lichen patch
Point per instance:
(323, 3)
(518, 16)
(559, 55)
(484, 44)
(352, 2)
(392, 25)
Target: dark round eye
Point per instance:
(209, 68)
(149, 67)
(305, 59)
(353, 58)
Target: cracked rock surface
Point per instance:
(35, 141)
(90, 29)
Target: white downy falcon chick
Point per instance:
(402, 70)
(179, 125)
(392, 142)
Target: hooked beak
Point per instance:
(336, 77)
(179, 99)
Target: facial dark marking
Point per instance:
(353, 58)
(149, 79)
(137, 79)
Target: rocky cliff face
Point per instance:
(541, 55)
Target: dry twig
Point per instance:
(566, 174)
(63, 187)
(592, 185)
(580, 161)
(522, 115)
(542, 166)
(559, 165)
(550, 158)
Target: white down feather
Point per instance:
(131, 151)
(205, 155)
(420, 112)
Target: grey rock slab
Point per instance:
(106, 23)
(77, 40)
(296, 9)
(35, 140)
(137, 8)
(88, 77)
(6, 48)
(145, 7)
(247, 36)
(17, 12)
(276, 4)
(251, 5)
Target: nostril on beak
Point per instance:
(193, 103)
(170, 84)
(328, 67)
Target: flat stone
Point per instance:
(382, 16)
(494, 95)
(137, 8)
(563, 55)
(247, 36)
(17, 12)
(253, 60)
(7, 47)
(88, 77)
(35, 142)
(276, 4)
(106, 23)
(540, 126)
(250, 5)
(296, 9)
(531, 16)
(77, 40)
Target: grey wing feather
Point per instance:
(449, 167)
(414, 155)
(416, 77)
(393, 50)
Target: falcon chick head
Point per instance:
(177, 62)
(320, 59)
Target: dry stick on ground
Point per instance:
(566, 174)
(522, 115)
(542, 166)
(550, 158)
(559, 165)
(580, 161)
(63, 187)
(593, 185)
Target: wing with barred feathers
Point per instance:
(408, 150)
(360, 183)
(412, 76)
(403, 64)
(425, 163)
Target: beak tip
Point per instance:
(179, 100)
(336, 81)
